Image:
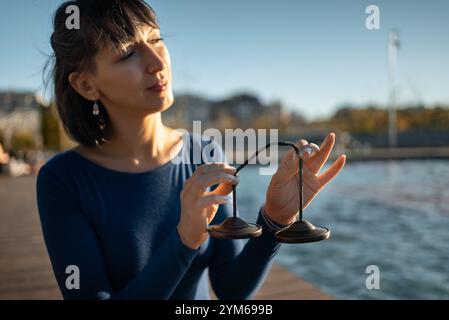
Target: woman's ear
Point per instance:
(82, 84)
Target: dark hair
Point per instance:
(112, 22)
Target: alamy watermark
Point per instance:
(73, 20)
(73, 280)
(373, 280)
(234, 147)
(372, 22)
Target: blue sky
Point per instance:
(311, 55)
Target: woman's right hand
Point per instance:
(198, 207)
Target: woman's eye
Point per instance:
(126, 55)
(130, 52)
(155, 41)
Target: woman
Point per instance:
(4, 158)
(119, 218)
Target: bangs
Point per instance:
(117, 23)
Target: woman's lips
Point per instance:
(161, 86)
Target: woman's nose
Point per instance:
(154, 60)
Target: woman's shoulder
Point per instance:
(58, 164)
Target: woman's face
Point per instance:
(131, 79)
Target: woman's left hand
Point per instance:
(282, 198)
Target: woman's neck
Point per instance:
(136, 145)
(136, 137)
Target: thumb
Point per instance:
(289, 166)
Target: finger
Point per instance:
(210, 200)
(307, 152)
(222, 189)
(309, 180)
(293, 155)
(315, 151)
(289, 164)
(197, 184)
(210, 213)
(209, 205)
(298, 144)
(207, 180)
(332, 171)
(323, 154)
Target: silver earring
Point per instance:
(102, 125)
(95, 109)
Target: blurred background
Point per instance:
(306, 68)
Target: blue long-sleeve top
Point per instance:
(119, 230)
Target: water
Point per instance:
(392, 214)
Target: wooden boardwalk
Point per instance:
(25, 270)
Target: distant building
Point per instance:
(186, 109)
(10, 101)
(242, 108)
(238, 111)
(19, 113)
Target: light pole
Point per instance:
(393, 46)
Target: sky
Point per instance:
(313, 56)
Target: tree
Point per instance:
(23, 141)
(50, 127)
